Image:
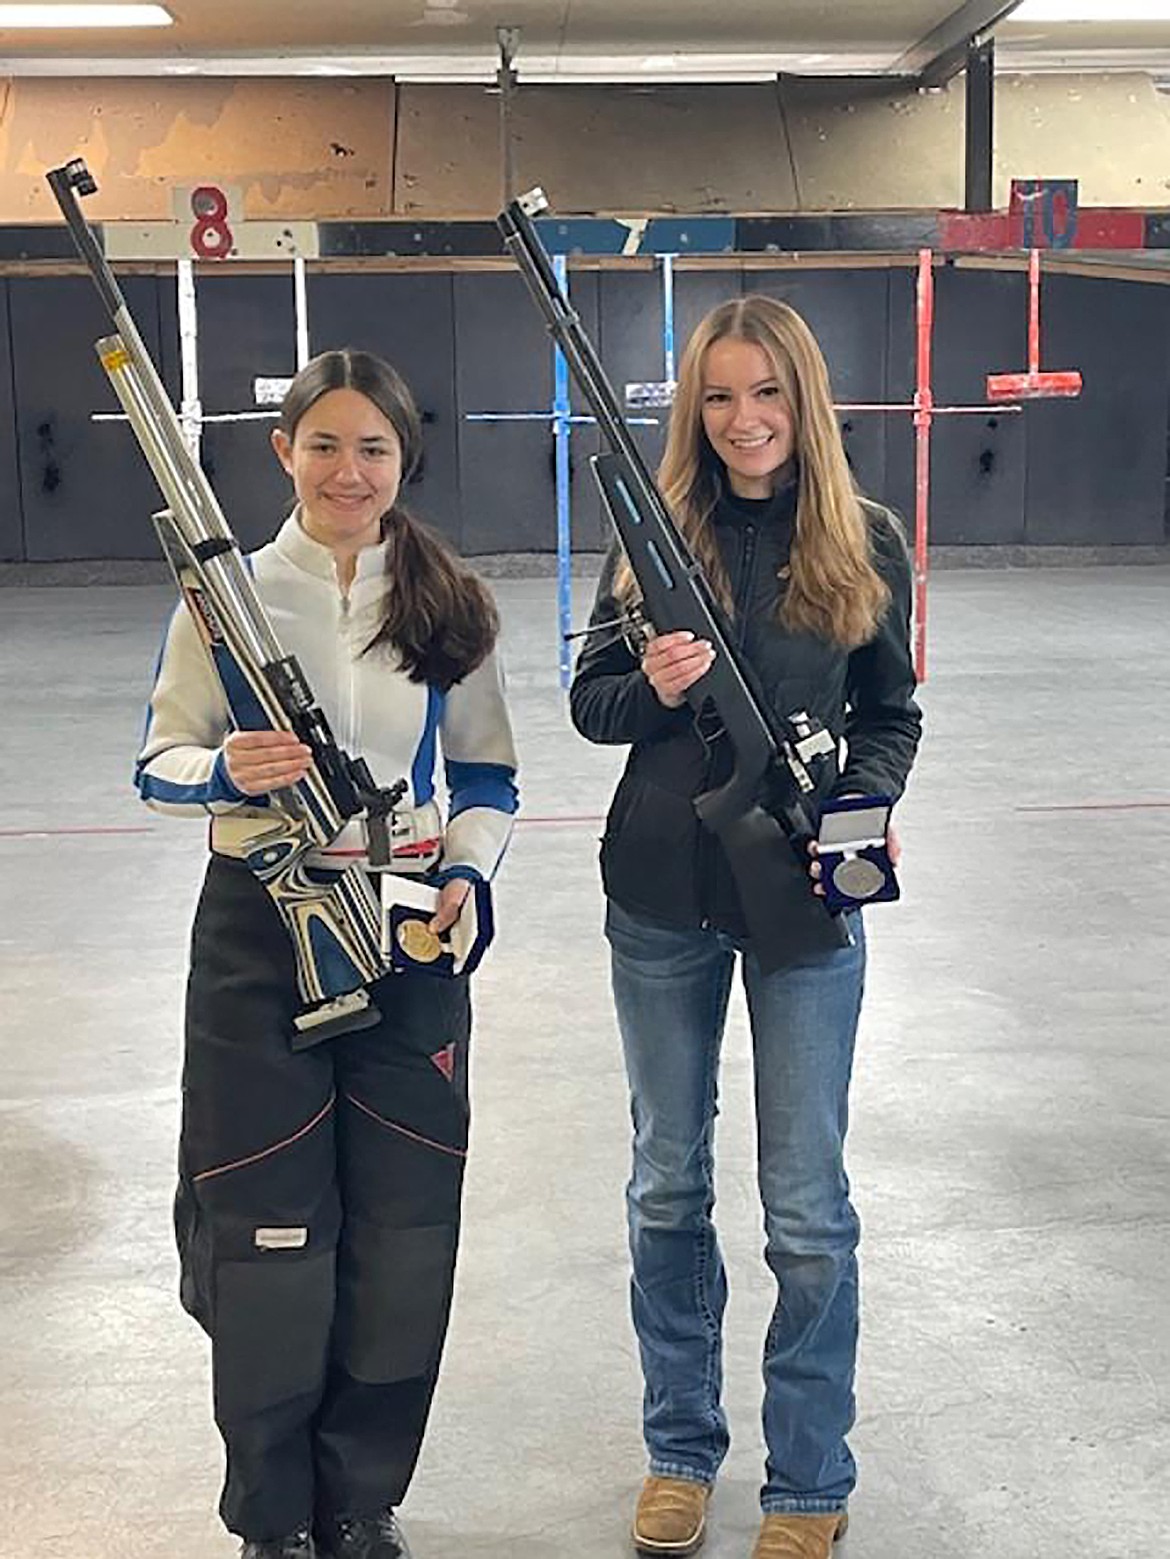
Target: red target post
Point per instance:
(923, 418)
(1033, 385)
(924, 410)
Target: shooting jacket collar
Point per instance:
(313, 557)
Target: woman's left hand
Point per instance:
(893, 847)
(451, 896)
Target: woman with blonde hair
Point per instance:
(814, 581)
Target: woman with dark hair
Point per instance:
(815, 584)
(319, 1190)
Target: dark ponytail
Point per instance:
(440, 616)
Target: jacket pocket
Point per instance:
(649, 851)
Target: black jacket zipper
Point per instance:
(707, 842)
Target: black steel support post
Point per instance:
(508, 39)
(980, 124)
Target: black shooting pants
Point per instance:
(317, 1217)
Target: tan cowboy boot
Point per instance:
(787, 1535)
(671, 1518)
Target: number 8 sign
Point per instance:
(211, 237)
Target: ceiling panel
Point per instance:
(1083, 37)
(549, 26)
(752, 24)
(384, 36)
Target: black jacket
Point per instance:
(656, 857)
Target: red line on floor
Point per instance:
(1103, 806)
(58, 833)
(582, 819)
(529, 822)
(54, 833)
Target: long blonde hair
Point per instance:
(833, 589)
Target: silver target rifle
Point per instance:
(332, 918)
(759, 813)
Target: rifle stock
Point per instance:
(333, 920)
(767, 853)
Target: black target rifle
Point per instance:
(333, 919)
(759, 814)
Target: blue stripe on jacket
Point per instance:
(481, 785)
(422, 770)
(217, 787)
(149, 719)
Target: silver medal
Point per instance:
(858, 879)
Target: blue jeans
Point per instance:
(670, 990)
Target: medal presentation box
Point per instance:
(851, 846)
(409, 944)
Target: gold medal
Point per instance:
(418, 942)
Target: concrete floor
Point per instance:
(1009, 1149)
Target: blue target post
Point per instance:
(668, 315)
(562, 427)
(562, 419)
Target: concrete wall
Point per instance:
(309, 150)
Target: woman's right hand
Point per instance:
(672, 662)
(260, 761)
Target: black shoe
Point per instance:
(297, 1545)
(363, 1537)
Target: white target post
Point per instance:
(215, 232)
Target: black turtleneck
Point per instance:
(778, 508)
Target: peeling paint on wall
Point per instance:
(271, 138)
